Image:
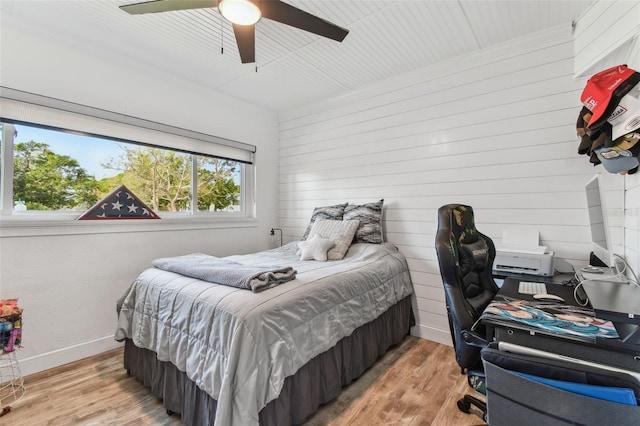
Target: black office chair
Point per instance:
(466, 258)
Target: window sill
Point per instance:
(27, 225)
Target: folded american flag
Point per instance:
(121, 203)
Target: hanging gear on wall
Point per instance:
(608, 124)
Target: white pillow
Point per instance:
(315, 248)
(341, 232)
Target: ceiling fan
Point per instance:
(244, 14)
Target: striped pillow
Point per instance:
(327, 212)
(370, 217)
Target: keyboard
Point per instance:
(528, 287)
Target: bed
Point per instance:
(229, 356)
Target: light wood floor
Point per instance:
(416, 383)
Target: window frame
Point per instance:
(14, 223)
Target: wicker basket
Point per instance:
(10, 325)
(11, 382)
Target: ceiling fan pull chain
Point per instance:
(221, 36)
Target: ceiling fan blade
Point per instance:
(167, 6)
(287, 14)
(246, 40)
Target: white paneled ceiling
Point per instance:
(292, 67)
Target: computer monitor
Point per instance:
(600, 238)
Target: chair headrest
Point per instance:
(466, 231)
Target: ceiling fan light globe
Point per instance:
(240, 12)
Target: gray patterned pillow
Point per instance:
(326, 212)
(370, 217)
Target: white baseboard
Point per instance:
(430, 333)
(45, 361)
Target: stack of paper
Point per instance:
(521, 241)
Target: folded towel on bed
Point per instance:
(226, 272)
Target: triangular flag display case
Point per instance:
(121, 203)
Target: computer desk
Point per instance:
(613, 352)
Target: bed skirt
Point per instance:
(321, 379)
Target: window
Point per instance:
(55, 170)
(46, 167)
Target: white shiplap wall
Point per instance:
(632, 183)
(607, 34)
(632, 201)
(495, 130)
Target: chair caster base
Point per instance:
(464, 404)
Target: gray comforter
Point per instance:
(239, 346)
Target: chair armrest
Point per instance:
(473, 339)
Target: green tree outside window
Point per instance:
(45, 180)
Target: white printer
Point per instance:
(511, 262)
(520, 253)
